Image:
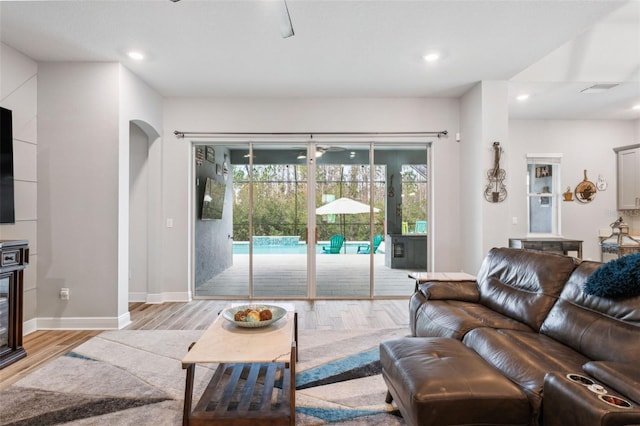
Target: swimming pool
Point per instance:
(242, 247)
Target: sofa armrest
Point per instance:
(623, 377)
(568, 403)
(466, 291)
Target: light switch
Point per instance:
(170, 222)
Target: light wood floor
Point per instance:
(44, 346)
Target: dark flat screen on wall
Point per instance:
(213, 200)
(7, 213)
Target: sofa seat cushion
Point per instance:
(454, 319)
(524, 357)
(438, 381)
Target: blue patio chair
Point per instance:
(421, 227)
(366, 249)
(335, 244)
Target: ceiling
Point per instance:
(348, 48)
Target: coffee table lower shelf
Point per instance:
(245, 394)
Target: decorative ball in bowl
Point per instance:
(253, 316)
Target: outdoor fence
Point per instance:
(352, 231)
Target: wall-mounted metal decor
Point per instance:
(601, 184)
(585, 190)
(568, 196)
(495, 191)
(211, 154)
(199, 155)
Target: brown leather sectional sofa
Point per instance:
(574, 358)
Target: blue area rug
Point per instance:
(136, 378)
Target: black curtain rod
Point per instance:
(310, 135)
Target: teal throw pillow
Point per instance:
(617, 279)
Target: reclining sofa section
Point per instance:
(528, 318)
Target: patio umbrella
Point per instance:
(344, 206)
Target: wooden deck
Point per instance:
(285, 276)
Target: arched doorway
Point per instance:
(142, 202)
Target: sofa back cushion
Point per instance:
(523, 284)
(601, 329)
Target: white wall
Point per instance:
(484, 120)
(78, 155)
(18, 92)
(471, 171)
(140, 104)
(303, 115)
(139, 213)
(585, 144)
(85, 113)
(495, 128)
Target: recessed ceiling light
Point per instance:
(431, 57)
(135, 55)
(522, 97)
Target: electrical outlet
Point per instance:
(64, 293)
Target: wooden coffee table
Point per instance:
(253, 364)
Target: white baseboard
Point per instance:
(124, 320)
(137, 297)
(101, 323)
(178, 296)
(79, 323)
(29, 327)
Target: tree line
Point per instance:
(280, 194)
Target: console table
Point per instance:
(424, 277)
(551, 245)
(14, 256)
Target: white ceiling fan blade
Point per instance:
(286, 28)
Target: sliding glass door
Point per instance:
(346, 203)
(407, 216)
(257, 246)
(218, 189)
(309, 220)
(278, 214)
